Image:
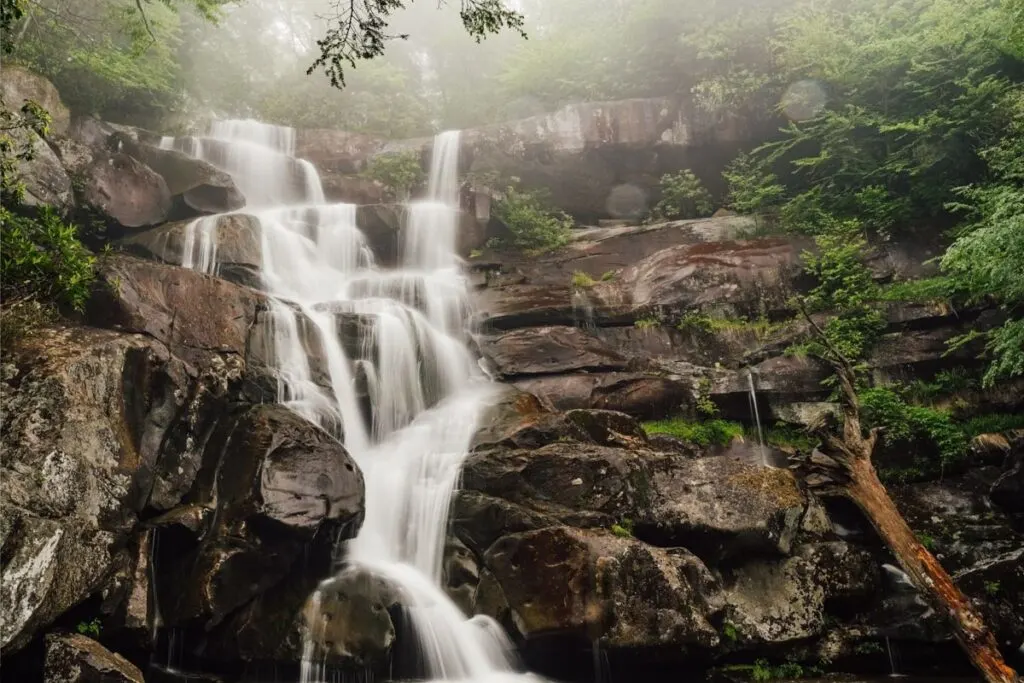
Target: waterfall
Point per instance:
(380, 359)
(756, 414)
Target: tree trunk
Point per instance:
(926, 573)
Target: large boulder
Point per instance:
(723, 506)
(74, 658)
(125, 191)
(20, 85)
(280, 484)
(235, 240)
(196, 186)
(190, 312)
(98, 426)
(600, 586)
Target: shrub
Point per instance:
(532, 226)
(400, 172)
(581, 280)
(624, 528)
(42, 258)
(683, 196)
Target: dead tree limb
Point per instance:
(849, 470)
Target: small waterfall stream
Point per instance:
(407, 407)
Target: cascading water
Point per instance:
(404, 396)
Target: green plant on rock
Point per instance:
(647, 322)
(400, 172)
(533, 227)
(18, 131)
(624, 528)
(729, 632)
(683, 196)
(706, 433)
(581, 280)
(91, 628)
(705, 405)
(868, 647)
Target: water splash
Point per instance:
(380, 359)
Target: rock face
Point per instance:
(74, 658)
(46, 181)
(21, 85)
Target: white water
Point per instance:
(756, 414)
(424, 389)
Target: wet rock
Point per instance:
(736, 277)
(548, 350)
(74, 658)
(609, 428)
(195, 185)
(97, 427)
(771, 601)
(461, 574)
(1008, 489)
(279, 483)
(581, 484)
(237, 238)
(721, 507)
(21, 85)
(479, 519)
(640, 395)
(126, 191)
(518, 419)
(336, 151)
(190, 312)
(351, 189)
(598, 585)
(348, 618)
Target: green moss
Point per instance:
(624, 528)
(695, 321)
(608, 276)
(993, 423)
(706, 433)
(581, 280)
(646, 323)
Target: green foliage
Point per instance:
(846, 290)
(608, 276)
(705, 406)
(683, 196)
(706, 433)
(993, 423)
(992, 588)
(646, 322)
(927, 541)
(532, 226)
(926, 290)
(11, 12)
(91, 628)
(624, 528)
(788, 437)
(729, 632)
(401, 172)
(359, 31)
(753, 187)
(906, 424)
(41, 258)
(581, 280)
(695, 321)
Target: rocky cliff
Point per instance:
(157, 504)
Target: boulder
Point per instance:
(20, 85)
(773, 602)
(336, 151)
(74, 658)
(601, 586)
(582, 484)
(235, 240)
(1008, 489)
(721, 506)
(194, 314)
(98, 426)
(126, 191)
(520, 420)
(195, 185)
(46, 181)
(351, 189)
(280, 483)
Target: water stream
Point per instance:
(404, 397)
